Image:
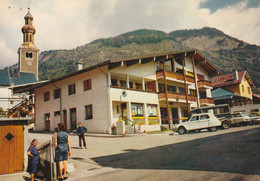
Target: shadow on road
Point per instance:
(236, 152)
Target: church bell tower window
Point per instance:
(29, 55)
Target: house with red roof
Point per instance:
(234, 89)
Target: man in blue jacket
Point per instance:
(80, 132)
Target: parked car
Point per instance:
(255, 118)
(238, 118)
(198, 122)
(241, 118)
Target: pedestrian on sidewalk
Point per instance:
(80, 132)
(33, 158)
(62, 151)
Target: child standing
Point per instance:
(80, 132)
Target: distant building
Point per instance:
(236, 90)
(153, 91)
(28, 67)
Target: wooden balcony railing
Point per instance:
(207, 101)
(141, 90)
(175, 75)
(204, 83)
(178, 97)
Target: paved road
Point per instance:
(231, 154)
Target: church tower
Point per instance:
(28, 52)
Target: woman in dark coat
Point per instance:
(62, 150)
(33, 158)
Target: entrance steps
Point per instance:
(132, 129)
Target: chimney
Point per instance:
(79, 65)
(235, 74)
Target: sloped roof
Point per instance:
(228, 79)
(220, 94)
(256, 95)
(4, 77)
(198, 58)
(23, 78)
(112, 63)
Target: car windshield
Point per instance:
(243, 114)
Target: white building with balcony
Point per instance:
(143, 89)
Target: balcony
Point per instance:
(173, 76)
(206, 101)
(177, 97)
(204, 84)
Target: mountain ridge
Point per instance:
(218, 47)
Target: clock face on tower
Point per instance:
(29, 64)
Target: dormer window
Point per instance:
(29, 55)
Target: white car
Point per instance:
(198, 122)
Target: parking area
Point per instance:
(231, 154)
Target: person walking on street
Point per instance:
(33, 158)
(80, 132)
(62, 151)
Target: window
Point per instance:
(28, 54)
(137, 109)
(237, 115)
(171, 88)
(192, 92)
(88, 112)
(47, 117)
(122, 83)
(161, 88)
(56, 93)
(181, 90)
(202, 94)
(87, 84)
(152, 110)
(203, 117)
(185, 113)
(138, 86)
(57, 113)
(114, 82)
(248, 89)
(195, 118)
(46, 96)
(179, 61)
(72, 89)
(180, 71)
(131, 85)
(243, 89)
(200, 77)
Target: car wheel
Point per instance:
(181, 130)
(225, 125)
(212, 129)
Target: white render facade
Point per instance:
(129, 89)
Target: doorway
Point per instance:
(73, 119)
(164, 115)
(65, 119)
(175, 117)
(47, 122)
(123, 110)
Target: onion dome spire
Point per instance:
(28, 29)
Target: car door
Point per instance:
(204, 121)
(236, 118)
(194, 123)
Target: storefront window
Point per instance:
(137, 109)
(152, 110)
